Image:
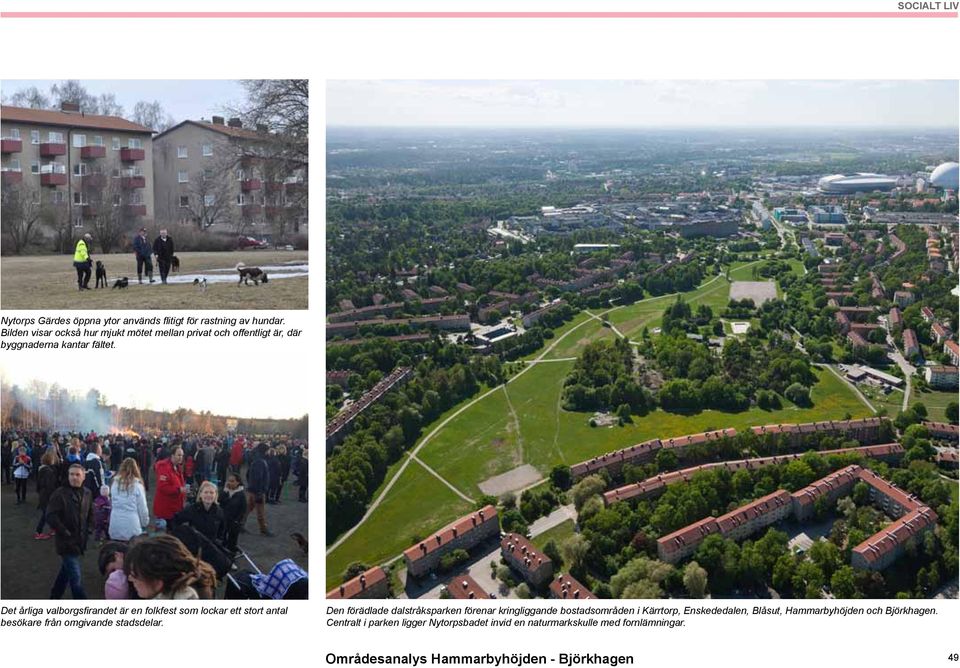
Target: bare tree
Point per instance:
(210, 201)
(108, 105)
(152, 115)
(113, 218)
(21, 213)
(283, 105)
(72, 90)
(31, 98)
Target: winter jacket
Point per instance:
(208, 522)
(273, 469)
(236, 453)
(258, 476)
(22, 466)
(130, 516)
(234, 506)
(163, 249)
(170, 495)
(141, 246)
(47, 483)
(95, 473)
(70, 513)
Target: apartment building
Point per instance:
(372, 583)
(94, 172)
(453, 322)
(943, 431)
(465, 587)
(832, 487)
(463, 534)
(520, 554)
(566, 587)
(750, 518)
(680, 544)
(911, 346)
(886, 546)
(941, 377)
(220, 176)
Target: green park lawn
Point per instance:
(557, 534)
(935, 401)
(417, 504)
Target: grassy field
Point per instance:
(557, 534)
(50, 282)
(523, 423)
(416, 505)
(935, 401)
(495, 435)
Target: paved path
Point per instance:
(554, 519)
(905, 366)
(441, 479)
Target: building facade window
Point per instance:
(116, 200)
(207, 174)
(98, 140)
(115, 143)
(34, 136)
(78, 199)
(207, 150)
(134, 142)
(12, 166)
(78, 221)
(34, 167)
(79, 141)
(55, 137)
(184, 200)
(181, 151)
(240, 201)
(209, 200)
(183, 177)
(12, 133)
(80, 169)
(58, 197)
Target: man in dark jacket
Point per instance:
(70, 513)
(258, 481)
(163, 249)
(141, 248)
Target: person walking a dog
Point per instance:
(143, 252)
(163, 249)
(82, 262)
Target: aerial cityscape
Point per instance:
(599, 346)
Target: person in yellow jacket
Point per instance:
(82, 262)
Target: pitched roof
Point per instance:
(461, 527)
(352, 588)
(891, 537)
(750, 511)
(566, 586)
(464, 586)
(70, 120)
(690, 535)
(236, 133)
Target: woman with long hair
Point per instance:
(129, 516)
(204, 514)
(161, 567)
(48, 479)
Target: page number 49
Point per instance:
(953, 657)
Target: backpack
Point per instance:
(92, 481)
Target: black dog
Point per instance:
(247, 273)
(174, 264)
(101, 275)
(121, 283)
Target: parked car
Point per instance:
(249, 243)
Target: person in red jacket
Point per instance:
(171, 486)
(236, 455)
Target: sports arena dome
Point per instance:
(945, 176)
(856, 183)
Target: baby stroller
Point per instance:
(203, 548)
(285, 581)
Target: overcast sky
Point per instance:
(256, 390)
(866, 103)
(182, 99)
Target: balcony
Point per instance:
(90, 210)
(93, 180)
(50, 149)
(250, 184)
(11, 178)
(296, 187)
(132, 182)
(273, 211)
(131, 154)
(251, 210)
(53, 179)
(10, 145)
(137, 209)
(273, 186)
(88, 152)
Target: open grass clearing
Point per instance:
(416, 505)
(50, 282)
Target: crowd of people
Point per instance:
(204, 489)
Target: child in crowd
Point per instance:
(22, 466)
(101, 514)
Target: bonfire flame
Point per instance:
(127, 433)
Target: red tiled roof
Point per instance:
(462, 526)
(366, 580)
(529, 558)
(890, 537)
(236, 133)
(690, 535)
(567, 587)
(464, 586)
(825, 485)
(70, 120)
(908, 501)
(762, 506)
